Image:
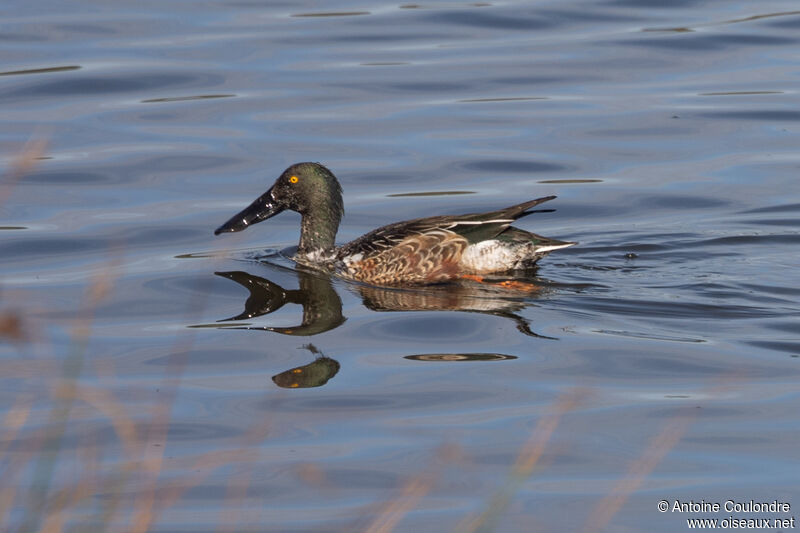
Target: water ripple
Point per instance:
(86, 85)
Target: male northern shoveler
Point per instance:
(424, 250)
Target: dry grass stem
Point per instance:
(528, 457)
(15, 418)
(104, 401)
(411, 494)
(658, 448)
(236, 492)
(11, 327)
(639, 469)
(22, 164)
(64, 395)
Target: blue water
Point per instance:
(151, 372)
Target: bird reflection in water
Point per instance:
(314, 374)
(322, 311)
(322, 306)
(448, 357)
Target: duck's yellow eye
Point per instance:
(294, 179)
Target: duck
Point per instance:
(436, 249)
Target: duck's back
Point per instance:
(442, 248)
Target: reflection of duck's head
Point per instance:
(421, 251)
(264, 298)
(322, 307)
(313, 374)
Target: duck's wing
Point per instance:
(474, 227)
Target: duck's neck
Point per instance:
(318, 233)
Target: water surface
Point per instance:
(159, 378)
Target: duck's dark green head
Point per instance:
(308, 188)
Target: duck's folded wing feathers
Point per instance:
(474, 227)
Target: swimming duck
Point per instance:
(425, 250)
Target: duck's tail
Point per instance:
(520, 210)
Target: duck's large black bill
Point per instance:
(262, 209)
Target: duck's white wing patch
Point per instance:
(487, 256)
(498, 256)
